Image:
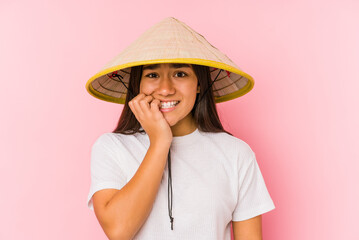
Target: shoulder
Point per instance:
(105, 139)
(114, 137)
(231, 146)
(110, 139)
(119, 141)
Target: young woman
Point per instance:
(169, 81)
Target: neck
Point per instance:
(184, 127)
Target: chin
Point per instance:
(170, 121)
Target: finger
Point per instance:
(138, 97)
(144, 104)
(130, 104)
(155, 105)
(135, 105)
(147, 99)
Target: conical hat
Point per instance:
(170, 41)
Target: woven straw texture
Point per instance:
(170, 41)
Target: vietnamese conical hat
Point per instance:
(170, 41)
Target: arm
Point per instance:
(121, 213)
(250, 229)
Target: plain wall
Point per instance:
(301, 118)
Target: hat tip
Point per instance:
(171, 18)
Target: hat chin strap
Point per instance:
(119, 77)
(195, 105)
(170, 196)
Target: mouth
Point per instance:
(169, 105)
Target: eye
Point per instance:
(182, 74)
(150, 74)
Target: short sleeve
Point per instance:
(106, 169)
(253, 196)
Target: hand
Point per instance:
(146, 110)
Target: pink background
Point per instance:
(301, 118)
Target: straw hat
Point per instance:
(170, 41)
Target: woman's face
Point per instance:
(172, 82)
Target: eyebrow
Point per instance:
(172, 65)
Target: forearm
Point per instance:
(129, 208)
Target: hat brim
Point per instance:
(95, 87)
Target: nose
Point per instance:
(165, 86)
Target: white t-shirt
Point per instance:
(215, 180)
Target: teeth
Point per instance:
(168, 104)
